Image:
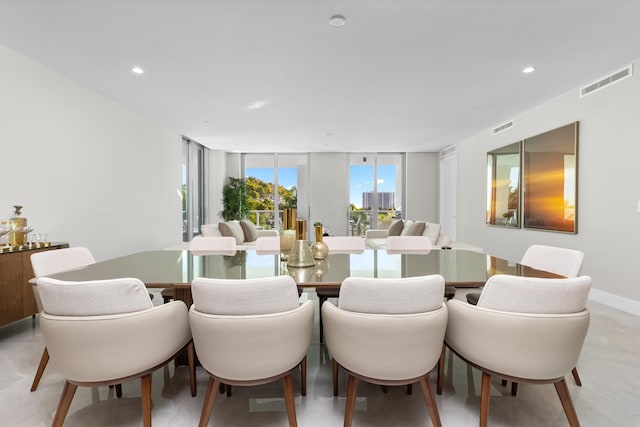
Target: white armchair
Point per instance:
(52, 262)
(387, 332)
(250, 332)
(107, 332)
(524, 330)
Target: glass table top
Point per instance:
(164, 268)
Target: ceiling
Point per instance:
(274, 76)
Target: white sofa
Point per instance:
(377, 239)
(244, 242)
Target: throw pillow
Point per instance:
(406, 228)
(395, 228)
(249, 229)
(232, 229)
(415, 228)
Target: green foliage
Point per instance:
(234, 199)
(260, 198)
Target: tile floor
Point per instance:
(609, 367)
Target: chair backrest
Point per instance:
(201, 245)
(535, 295)
(562, 261)
(59, 260)
(108, 329)
(392, 296)
(408, 245)
(344, 244)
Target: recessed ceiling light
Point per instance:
(137, 70)
(337, 20)
(528, 69)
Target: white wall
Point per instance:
(608, 194)
(329, 190)
(86, 170)
(215, 179)
(422, 187)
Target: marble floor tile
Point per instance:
(609, 366)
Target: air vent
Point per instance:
(615, 77)
(500, 128)
(448, 152)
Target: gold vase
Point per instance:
(319, 249)
(288, 232)
(301, 255)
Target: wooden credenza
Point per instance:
(16, 295)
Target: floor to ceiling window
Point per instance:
(193, 165)
(275, 182)
(375, 191)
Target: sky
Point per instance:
(361, 179)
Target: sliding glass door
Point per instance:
(192, 188)
(275, 182)
(375, 191)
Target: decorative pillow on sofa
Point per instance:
(395, 228)
(232, 229)
(249, 229)
(413, 228)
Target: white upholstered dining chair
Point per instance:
(387, 332)
(51, 262)
(523, 329)
(563, 261)
(107, 332)
(250, 332)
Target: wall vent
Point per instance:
(606, 81)
(502, 127)
(448, 152)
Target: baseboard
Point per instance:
(615, 301)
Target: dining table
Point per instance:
(177, 268)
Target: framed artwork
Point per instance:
(550, 180)
(503, 186)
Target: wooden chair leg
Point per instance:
(209, 400)
(118, 390)
(504, 383)
(191, 361)
(44, 359)
(334, 367)
(146, 400)
(567, 403)
(409, 389)
(431, 401)
(352, 388)
(440, 379)
(484, 399)
(303, 376)
(576, 377)
(287, 384)
(514, 389)
(68, 392)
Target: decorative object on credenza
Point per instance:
(319, 249)
(18, 228)
(301, 255)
